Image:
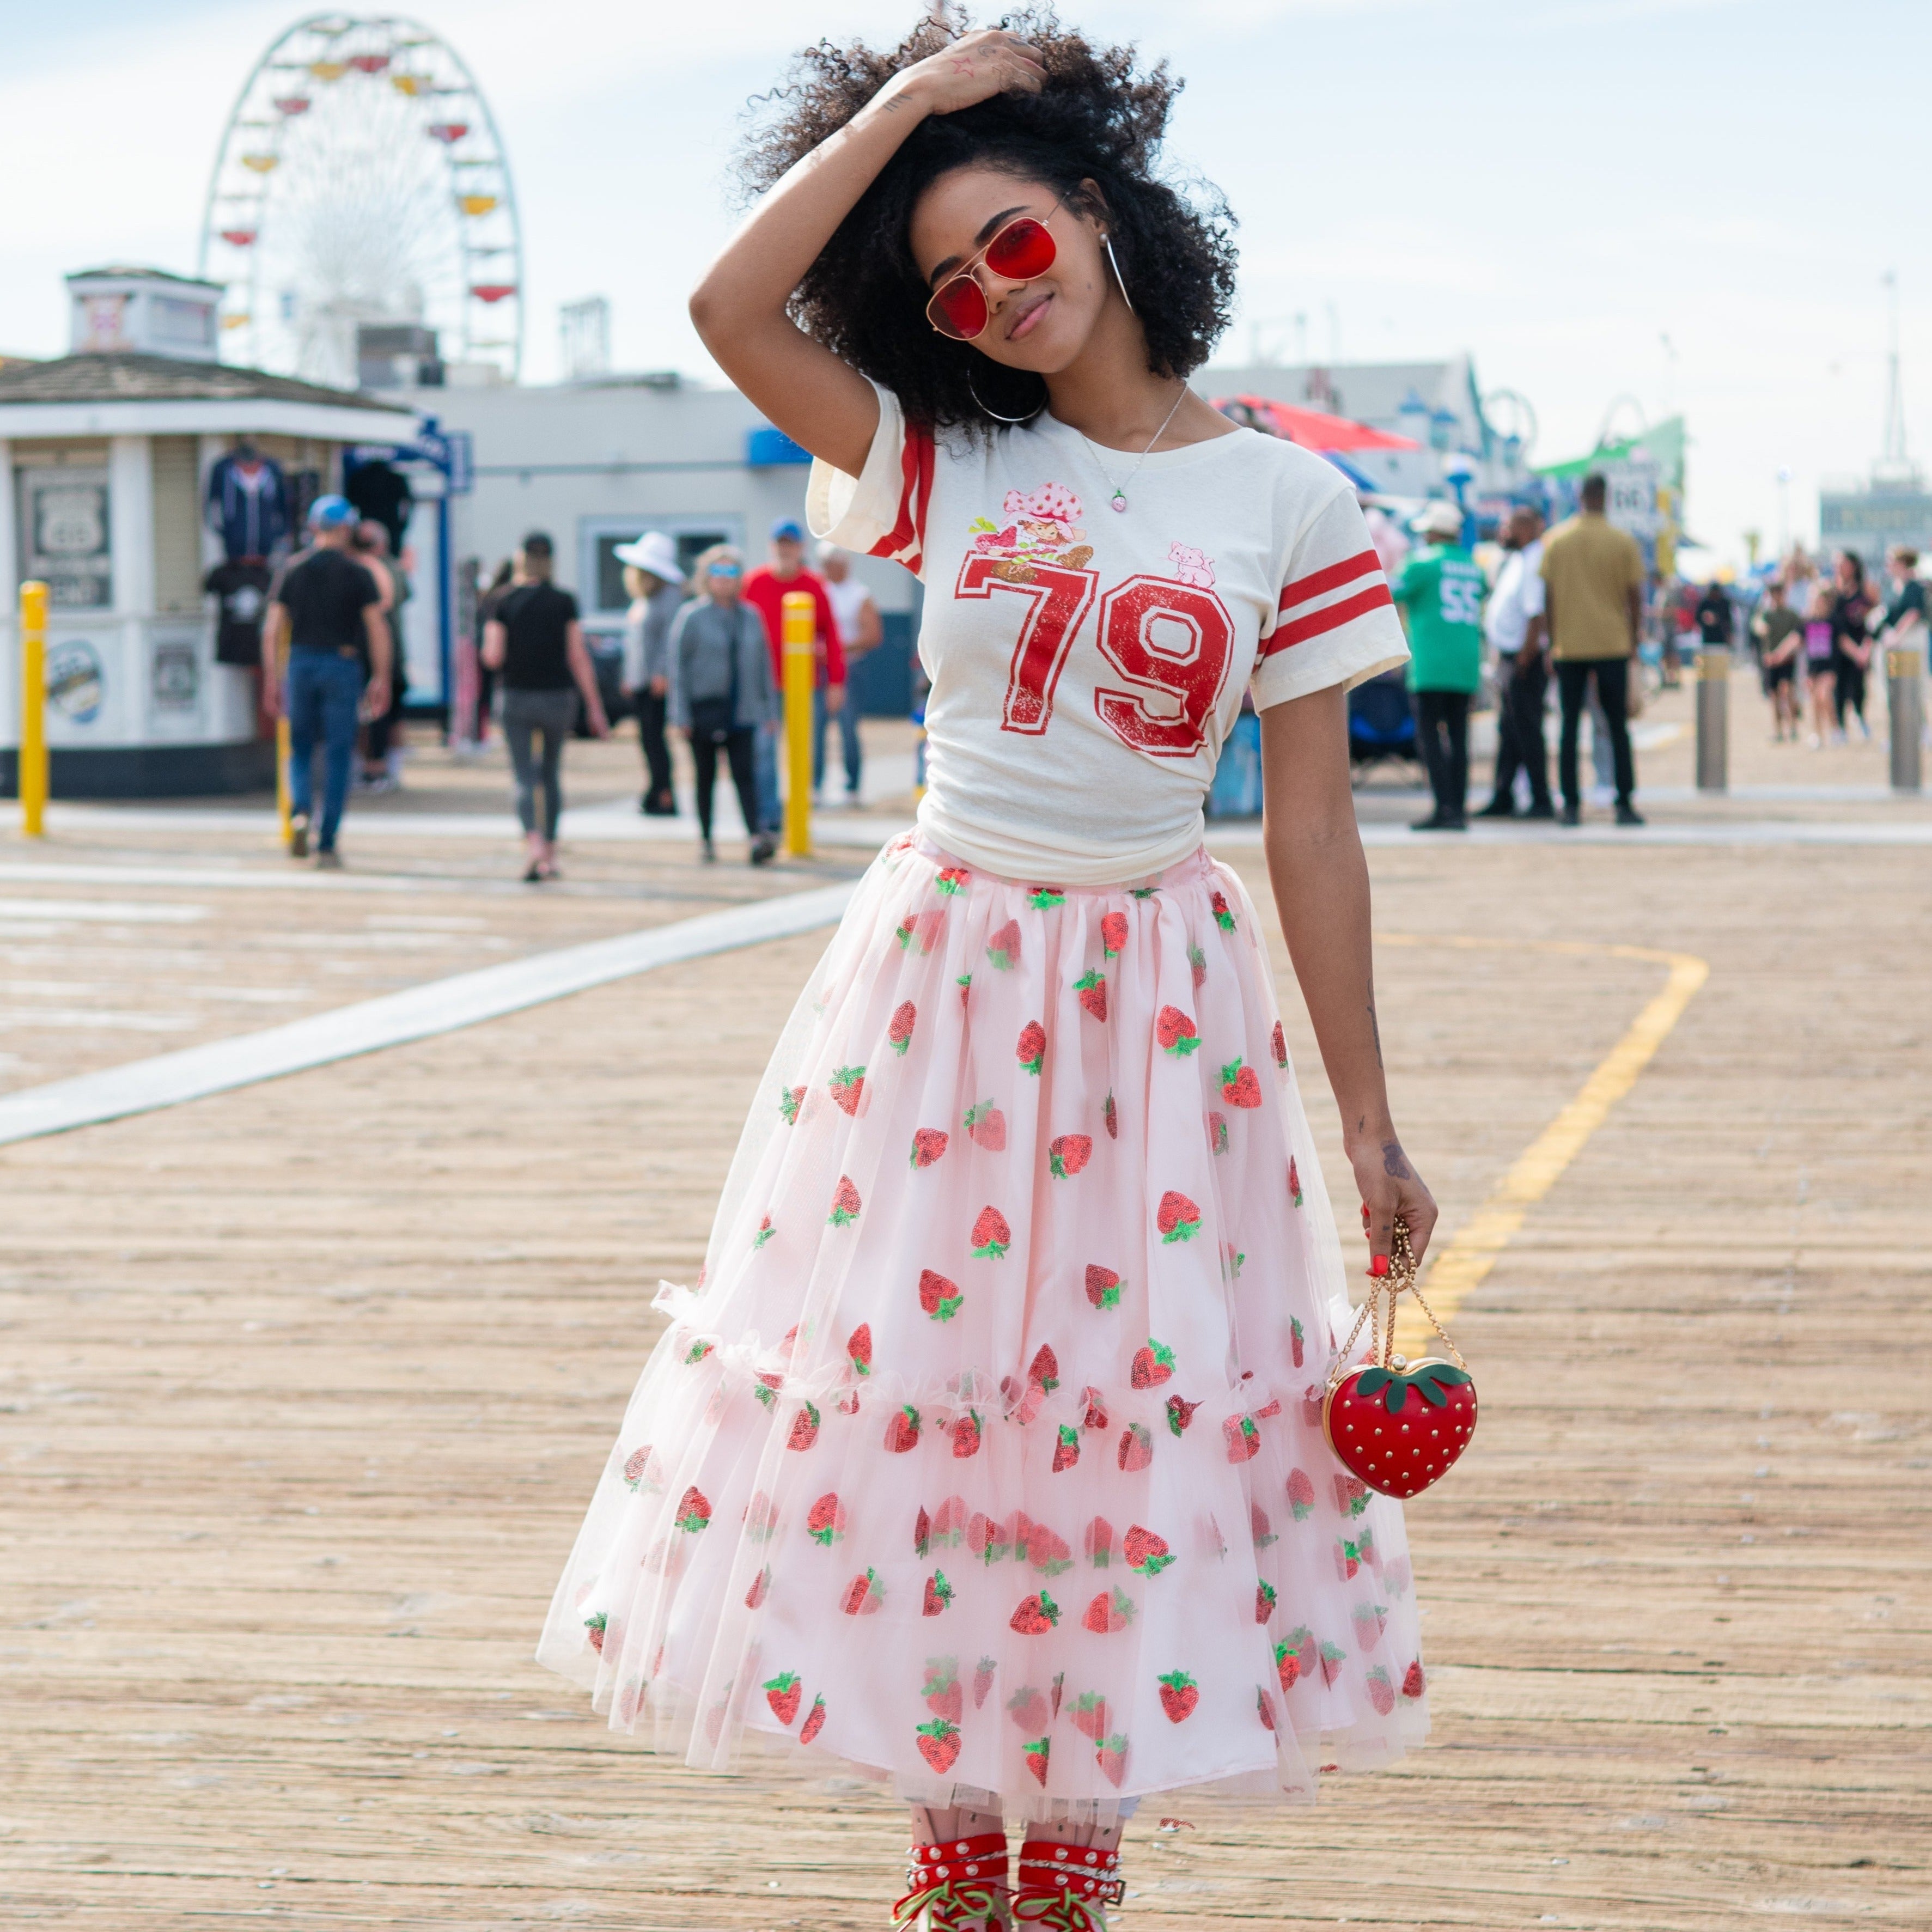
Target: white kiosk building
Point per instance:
(105, 459)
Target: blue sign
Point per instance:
(767, 447)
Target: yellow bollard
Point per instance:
(800, 630)
(30, 764)
(284, 799)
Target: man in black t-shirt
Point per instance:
(327, 605)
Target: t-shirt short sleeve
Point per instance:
(1335, 623)
(881, 512)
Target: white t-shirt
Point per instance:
(1517, 597)
(847, 600)
(1086, 666)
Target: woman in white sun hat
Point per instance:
(656, 585)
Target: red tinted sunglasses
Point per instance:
(1021, 250)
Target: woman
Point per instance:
(656, 588)
(984, 1454)
(534, 638)
(721, 691)
(1851, 645)
(1821, 634)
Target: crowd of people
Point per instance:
(1574, 599)
(1825, 633)
(703, 658)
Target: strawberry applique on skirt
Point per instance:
(988, 1455)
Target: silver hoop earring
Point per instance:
(1107, 242)
(995, 413)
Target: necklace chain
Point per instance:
(1118, 501)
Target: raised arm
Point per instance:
(738, 308)
(1320, 881)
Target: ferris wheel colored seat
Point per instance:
(493, 291)
(239, 237)
(328, 69)
(291, 103)
(368, 63)
(449, 132)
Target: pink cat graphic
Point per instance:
(1192, 566)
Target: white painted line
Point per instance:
(111, 912)
(443, 1005)
(201, 878)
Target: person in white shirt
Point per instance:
(860, 627)
(1515, 624)
(1013, 1324)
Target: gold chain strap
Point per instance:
(1400, 1278)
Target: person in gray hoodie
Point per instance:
(721, 689)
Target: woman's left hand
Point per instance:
(1390, 1188)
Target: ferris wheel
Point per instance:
(360, 180)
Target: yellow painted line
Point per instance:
(1459, 1268)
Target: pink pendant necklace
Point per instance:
(1117, 502)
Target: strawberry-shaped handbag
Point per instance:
(1398, 1424)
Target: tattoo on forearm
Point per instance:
(1395, 1162)
(1375, 1032)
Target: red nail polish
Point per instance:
(1378, 1265)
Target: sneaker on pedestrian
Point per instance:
(1543, 809)
(328, 860)
(1437, 821)
(1499, 807)
(299, 836)
(1571, 815)
(763, 848)
(1628, 814)
(707, 851)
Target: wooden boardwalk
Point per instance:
(303, 1388)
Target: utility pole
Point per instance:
(1893, 459)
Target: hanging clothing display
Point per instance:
(247, 504)
(243, 588)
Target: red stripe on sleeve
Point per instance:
(1330, 617)
(1332, 577)
(916, 466)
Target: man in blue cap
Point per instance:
(765, 591)
(328, 607)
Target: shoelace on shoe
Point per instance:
(1063, 1888)
(954, 1883)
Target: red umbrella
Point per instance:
(1313, 429)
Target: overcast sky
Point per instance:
(1689, 201)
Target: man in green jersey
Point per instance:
(1440, 590)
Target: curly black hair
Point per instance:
(1097, 119)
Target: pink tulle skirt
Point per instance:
(985, 1454)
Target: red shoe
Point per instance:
(959, 1886)
(1063, 1888)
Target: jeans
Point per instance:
(324, 690)
(847, 721)
(765, 766)
(1442, 724)
(1612, 678)
(1519, 745)
(737, 750)
(529, 715)
(650, 710)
